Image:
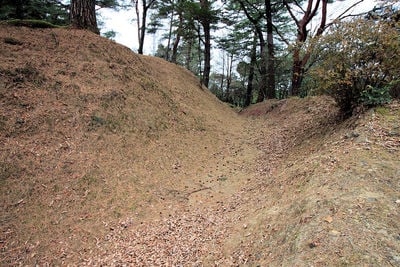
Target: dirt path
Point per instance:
(263, 200)
(270, 191)
(205, 223)
(193, 227)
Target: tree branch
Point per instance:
(291, 13)
(253, 6)
(343, 16)
(246, 12)
(281, 36)
(355, 4)
(312, 14)
(299, 6)
(150, 4)
(323, 18)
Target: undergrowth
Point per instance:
(31, 23)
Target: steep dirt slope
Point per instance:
(90, 133)
(330, 195)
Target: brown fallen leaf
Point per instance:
(328, 219)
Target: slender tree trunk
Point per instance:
(221, 85)
(270, 90)
(205, 22)
(189, 53)
(177, 39)
(83, 15)
(169, 35)
(141, 22)
(200, 66)
(143, 26)
(207, 57)
(262, 93)
(253, 61)
(229, 75)
(137, 11)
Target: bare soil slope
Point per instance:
(91, 132)
(331, 196)
(111, 158)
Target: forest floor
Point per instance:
(111, 158)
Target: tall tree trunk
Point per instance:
(205, 22)
(229, 76)
(299, 63)
(189, 53)
(270, 94)
(83, 15)
(143, 26)
(137, 11)
(262, 92)
(297, 72)
(207, 56)
(177, 39)
(221, 85)
(170, 34)
(253, 61)
(141, 22)
(199, 59)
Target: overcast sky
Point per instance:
(123, 23)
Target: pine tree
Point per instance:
(83, 15)
(52, 11)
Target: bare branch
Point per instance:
(299, 6)
(281, 36)
(347, 16)
(291, 13)
(342, 16)
(347, 10)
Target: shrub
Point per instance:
(372, 96)
(358, 63)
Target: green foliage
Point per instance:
(110, 34)
(31, 23)
(108, 4)
(358, 62)
(373, 96)
(51, 11)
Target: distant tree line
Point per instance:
(267, 49)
